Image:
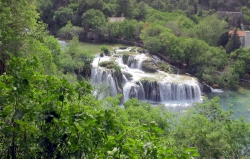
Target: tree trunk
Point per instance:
(2, 67)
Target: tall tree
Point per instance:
(18, 19)
(124, 7)
(233, 43)
(210, 29)
(62, 16)
(93, 19)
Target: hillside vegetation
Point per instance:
(48, 110)
(189, 32)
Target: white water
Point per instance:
(213, 89)
(159, 87)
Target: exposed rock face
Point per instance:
(152, 91)
(206, 88)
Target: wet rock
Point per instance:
(149, 66)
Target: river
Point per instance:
(238, 101)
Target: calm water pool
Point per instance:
(238, 101)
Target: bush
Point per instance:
(69, 31)
(105, 50)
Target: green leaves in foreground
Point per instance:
(46, 117)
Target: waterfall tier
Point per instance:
(133, 82)
(162, 92)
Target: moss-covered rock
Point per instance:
(149, 66)
(140, 50)
(127, 75)
(164, 67)
(107, 64)
(123, 47)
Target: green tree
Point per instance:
(210, 29)
(93, 19)
(124, 7)
(46, 11)
(223, 39)
(212, 130)
(109, 8)
(74, 59)
(233, 43)
(69, 31)
(54, 47)
(151, 37)
(140, 12)
(62, 16)
(17, 20)
(241, 60)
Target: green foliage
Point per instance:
(54, 47)
(93, 19)
(48, 116)
(127, 29)
(69, 31)
(124, 7)
(164, 18)
(151, 37)
(212, 130)
(105, 50)
(209, 29)
(140, 12)
(164, 67)
(74, 58)
(233, 43)
(246, 13)
(62, 16)
(241, 61)
(17, 20)
(45, 9)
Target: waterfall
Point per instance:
(213, 89)
(105, 76)
(124, 79)
(134, 90)
(133, 82)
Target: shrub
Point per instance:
(69, 31)
(105, 50)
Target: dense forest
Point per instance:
(48, 110)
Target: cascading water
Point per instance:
(158, 87)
